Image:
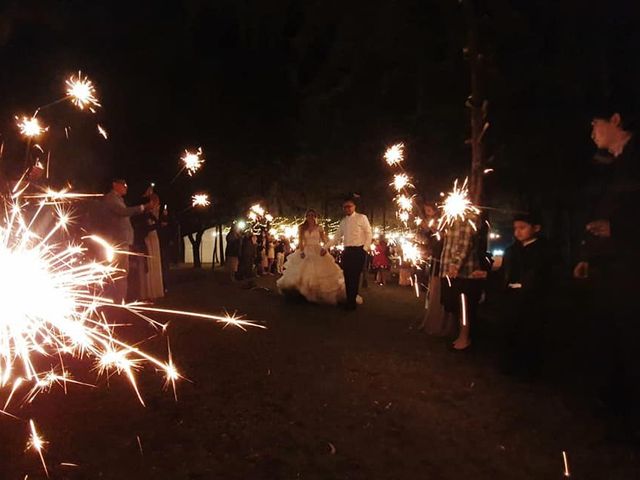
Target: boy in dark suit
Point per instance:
(526, 275)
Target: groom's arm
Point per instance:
(368, 234)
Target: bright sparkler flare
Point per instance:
(405, 203)
(82, 92)
(258, 210)
(410, 251)
(394, 154)
(457, 206)
(30, 127)
(192, 161)
(53, 308)
(200, 200)
(401, 181)
(37, 443)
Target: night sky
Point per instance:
(294, 102)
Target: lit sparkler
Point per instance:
(200, 200)
(82, 92)
(37, 443)
(192, 161)
(404, 203)
(258, 210)
(55, 196)
(410, 251)
(401, 181)
(457, 206)
(54, 308)
(394, 154)
(30, 127)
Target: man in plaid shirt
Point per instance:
(462, 271)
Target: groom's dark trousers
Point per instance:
(352, 263)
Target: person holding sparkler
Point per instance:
(609, 261)
(117, 228)
(526, 277)
(462, 273)
(434, 317)
(232, 252)
(381, 263)
(147, 243)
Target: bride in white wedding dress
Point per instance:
(310, 270)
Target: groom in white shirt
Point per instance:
(355, 233)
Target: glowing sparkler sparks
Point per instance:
(192, 161)
(257, 209)
(82, 92)
(103, 132)
(30, 127)
(37, 443)
(200, 200)
(401, 181)
(410, 251)
(53, 307)
(56, 196)
(404, 203)
(394, 154)
(457, 206)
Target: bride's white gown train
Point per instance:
(318, 278)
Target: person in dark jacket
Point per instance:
(232, 252)
(248, 253)
(609, 261)
(526, 276)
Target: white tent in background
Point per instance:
(206, 247)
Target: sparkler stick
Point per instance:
(80, 91)
(463, 307)
(139, 445)
(566, 464)
(103, 132)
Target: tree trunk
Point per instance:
(221, 240)
(195, 247)
(214, 255)
(476, 104)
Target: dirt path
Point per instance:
(321, 394)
